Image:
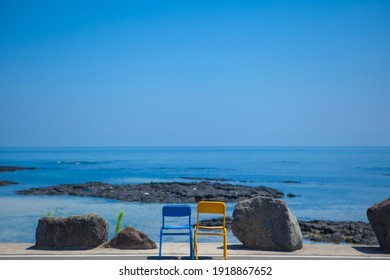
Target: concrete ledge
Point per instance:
(207, 251)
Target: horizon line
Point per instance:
(194, 146)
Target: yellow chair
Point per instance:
(211, 207)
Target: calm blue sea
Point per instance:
(333, 183)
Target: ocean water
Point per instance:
(332, 183)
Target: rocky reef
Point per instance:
(4, 183)
(14, 168)
(338, 232)
(172, 192)
(327, 231)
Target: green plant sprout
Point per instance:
(119, 222)
(55, 213)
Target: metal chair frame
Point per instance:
(211, 207)
(176, 211)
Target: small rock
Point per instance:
(291, 195)
(131, 238)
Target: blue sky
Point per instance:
(191, 73)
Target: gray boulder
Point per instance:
(131, 238)
(73, 232)
(379, 217)
(266, 224)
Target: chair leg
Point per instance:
(191, 247)
(225, 245)
(195, 244)
(160, 249)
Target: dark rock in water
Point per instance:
(73, 232)
(14, 168)
(338, 232)
(216, 222)
(266, 224)
(6, 183)
(174, 192)
(379, 218)
(131, 238)
(291, 195)
(291, 182)
(326, 231)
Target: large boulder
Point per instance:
(266, 224)
(131, 238)
(379, 217)
(73, 232)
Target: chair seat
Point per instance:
(176, 227)
(210, 233)
(210, 227)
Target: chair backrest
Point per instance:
(176, 210)
(212, 207)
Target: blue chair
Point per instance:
(176, 211)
